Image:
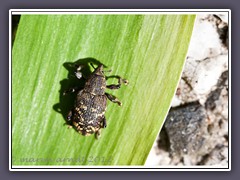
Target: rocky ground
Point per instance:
(196, 129)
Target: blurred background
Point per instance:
(196, 131)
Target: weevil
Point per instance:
(88, 113)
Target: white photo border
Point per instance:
(115, 11)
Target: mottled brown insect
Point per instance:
(88, 114)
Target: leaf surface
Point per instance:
(148, 50)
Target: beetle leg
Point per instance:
(97, 134)
(113, 99)
(120, 81)
(104, 122)
(103, 125)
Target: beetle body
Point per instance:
(88, 114)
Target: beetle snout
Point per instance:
(100, 67)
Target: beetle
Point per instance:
(88, 113)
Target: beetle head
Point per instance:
(99, 70)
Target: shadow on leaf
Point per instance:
(66, 102)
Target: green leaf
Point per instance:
(148, 50)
